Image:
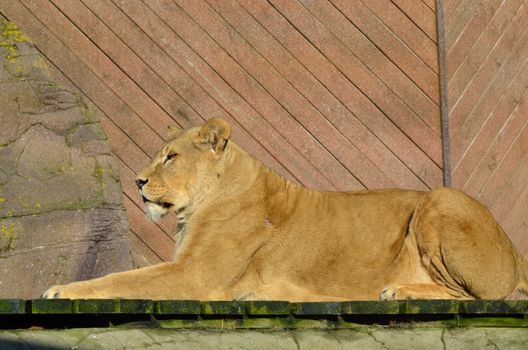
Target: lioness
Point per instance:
(247, 233)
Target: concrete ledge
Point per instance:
(138, 324)
(260, 314)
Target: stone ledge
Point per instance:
(262, 308)
(264, 314)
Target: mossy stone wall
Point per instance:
(61, 207)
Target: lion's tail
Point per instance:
(523, 275)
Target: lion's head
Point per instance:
(185, 169)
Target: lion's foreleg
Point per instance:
(162, 281)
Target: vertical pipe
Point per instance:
(442, 78)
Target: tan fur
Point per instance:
(250, 234)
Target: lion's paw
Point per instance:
(250, 295)
(55, 292)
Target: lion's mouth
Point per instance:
(165, 205)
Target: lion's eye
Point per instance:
(170, 156)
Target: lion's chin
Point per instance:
(155, 211)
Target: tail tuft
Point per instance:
(523, 276)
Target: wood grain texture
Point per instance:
(334, 95)
(487, 43)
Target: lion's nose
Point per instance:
(141, 182)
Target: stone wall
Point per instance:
(375, 338)
(61, 208)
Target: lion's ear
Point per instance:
(174, 132)
(216, 133)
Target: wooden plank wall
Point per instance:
(487, 72)
(336, 95)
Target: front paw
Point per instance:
(55, 292)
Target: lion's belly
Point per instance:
(345, 246)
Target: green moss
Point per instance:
(265, 308)
(180, 307)
(370, 307)
(8, 237)
(51, 306)
(60, 168)
(12, 307)
(42, 66)
(98, 171)
(89, 114)
(494, 306)
(11, 37)
(96, 306)
(113, 174)
(327, 308)
(429, 307)
(130, 306)
(63, 259)
(222, 308)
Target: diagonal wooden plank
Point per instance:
(337, 113)
(503, 30)
(484, 91)
(372, 27)
(493, 193)
(512, 191)
(421, 14)
(290, 151)
(185, 97)
(254, 93)
(84, 78)
(407, 31)
(458, 13)
(431, 4)
(503, 123)
(516, 221)
(142, 255)
(118, 52)
(347, 93)
(289, 97)
(458, 49)
(391, 106)
(425, 107)
(112, 76)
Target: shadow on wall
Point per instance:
(61, 209)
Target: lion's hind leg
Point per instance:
(463, 248)
(419, 291)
